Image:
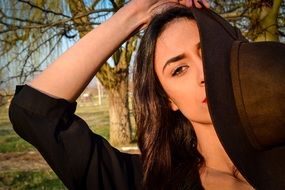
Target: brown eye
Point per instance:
(179, 70)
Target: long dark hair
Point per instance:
(166, 138)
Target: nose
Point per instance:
(200, 75)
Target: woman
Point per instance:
(171, 107)
(172, 158)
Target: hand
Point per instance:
(147, 8)
(187, 3)
(196, 3)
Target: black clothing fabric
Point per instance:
(80, 158)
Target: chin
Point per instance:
(202, 121)
(206, 122)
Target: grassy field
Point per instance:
(21, 166)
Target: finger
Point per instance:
(206, 3)
(183, 2)
(197, 4)
(189, 3)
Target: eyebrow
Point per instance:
(173, 59)
(178, 57)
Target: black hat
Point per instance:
(245, 87)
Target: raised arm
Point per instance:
(72, 71)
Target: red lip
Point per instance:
(205, 100)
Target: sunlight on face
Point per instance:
(178, 65)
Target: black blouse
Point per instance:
(80, 158)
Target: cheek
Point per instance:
(186, 95)
(183, 94)
(187, 104)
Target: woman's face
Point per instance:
(178, 65)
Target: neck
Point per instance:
(211, 149)
(215, 156)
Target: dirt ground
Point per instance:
(32, 160)
(23, 161)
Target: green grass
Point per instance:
(30, 180)
(97, 117)
(13, 143)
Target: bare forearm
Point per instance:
(71, 72)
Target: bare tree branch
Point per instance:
(114, 4)
(57, 23)
(42, 9)
(94, 4)
(19, 19)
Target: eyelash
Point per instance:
(179, 70)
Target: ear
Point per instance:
(174, 107)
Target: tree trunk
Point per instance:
(264, 22)
(120, 129)
(114, 79)
(1, 100)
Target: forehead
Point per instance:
(179, 36)
(178, 26)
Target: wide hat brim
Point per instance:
(262, 168)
